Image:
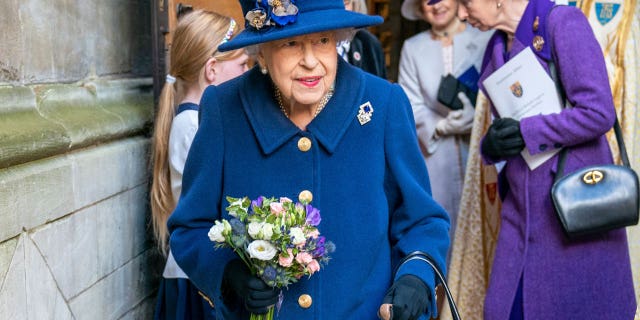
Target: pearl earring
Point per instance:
(264, 70)
(499, 5)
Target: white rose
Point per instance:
(254, 229)
(215, 233)
(267, 231)
(262, 250)
(298, 236)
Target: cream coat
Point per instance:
(421, 67)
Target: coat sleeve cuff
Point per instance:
(533, 143)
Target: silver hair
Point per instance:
(341, 35)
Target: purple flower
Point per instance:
(313, 215)
(257, 203)
(320, 249)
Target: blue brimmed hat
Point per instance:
(268, 20)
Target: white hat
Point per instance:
(410, 11)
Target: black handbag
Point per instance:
(596, 199)
(448, 92)
(419, 255)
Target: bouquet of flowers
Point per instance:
(278, 239)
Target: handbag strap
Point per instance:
(562, 158)
(422, 256)
(623, 152)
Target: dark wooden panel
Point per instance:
(392, 32)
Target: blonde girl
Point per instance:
(195, 63)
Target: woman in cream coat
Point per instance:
(449, 46)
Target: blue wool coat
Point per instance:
(588, 278)
(369, 182)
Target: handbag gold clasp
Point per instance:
(593, 177)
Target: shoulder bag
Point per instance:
(595, 199)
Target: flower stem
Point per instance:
(267, 316)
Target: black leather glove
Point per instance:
(410, 298)
(503, 139)
(255, 293)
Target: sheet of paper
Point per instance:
(522, 88)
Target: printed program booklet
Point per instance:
(522, 88)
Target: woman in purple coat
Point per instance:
(538, 272)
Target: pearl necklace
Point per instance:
(319, 108)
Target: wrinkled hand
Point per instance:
(255, 293)
(503, 139)
(408, 297)
(458, 121)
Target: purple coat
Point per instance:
(562, 279)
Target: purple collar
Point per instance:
(526, 32)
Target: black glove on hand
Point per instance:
(409, 296)
(503, 139)
(255, 293)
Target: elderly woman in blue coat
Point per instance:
(538, 272)
(303, 119)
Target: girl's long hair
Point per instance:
(195, 40)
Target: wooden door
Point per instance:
(392, 32)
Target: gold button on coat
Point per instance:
(304, 144)
(305, 301)
(305, 196)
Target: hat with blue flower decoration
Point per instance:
(268, 20)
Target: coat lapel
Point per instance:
(269, 124)
(533, 26)
(494, 57)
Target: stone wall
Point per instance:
(76, 104)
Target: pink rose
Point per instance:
(313, 266)
(286, 261)
(304, 258)
(285, 199)
(276, 208)
(313, 234)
